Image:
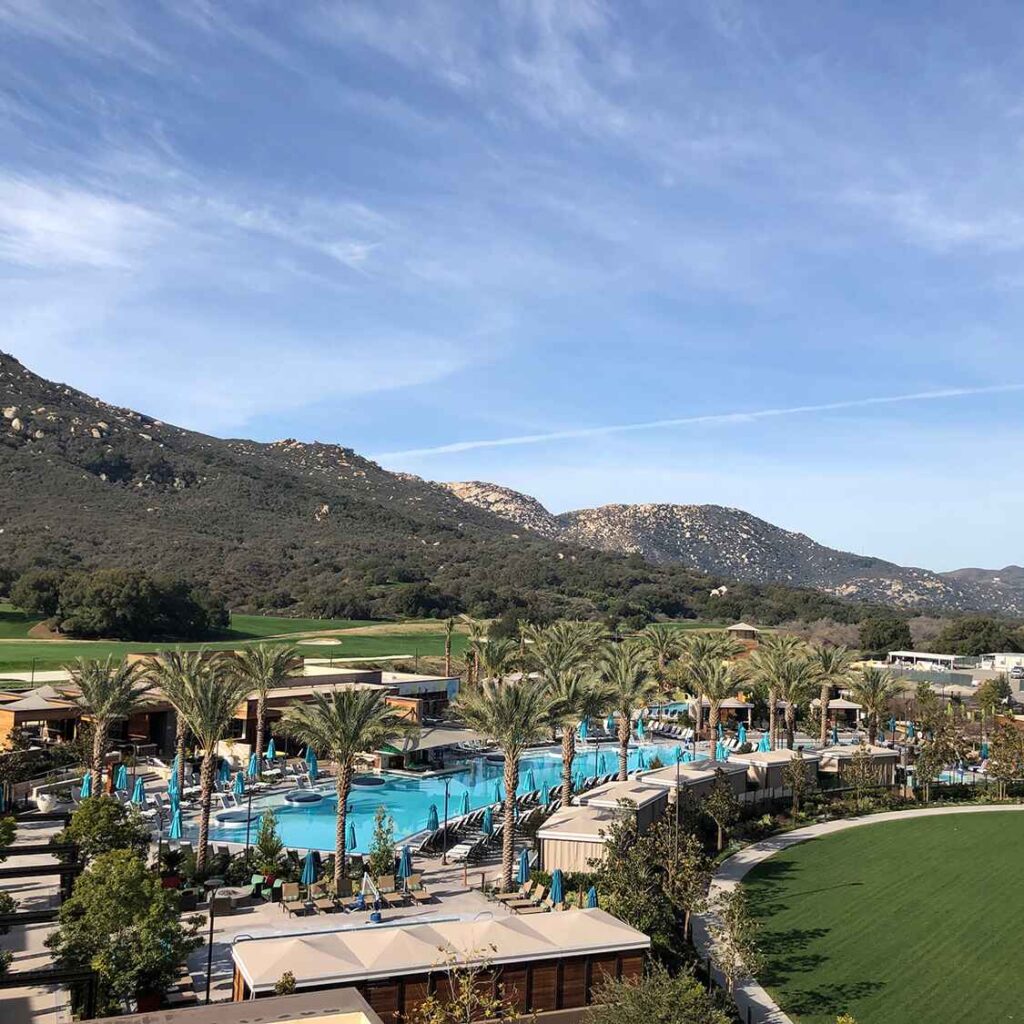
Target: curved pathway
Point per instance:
(754, 1003)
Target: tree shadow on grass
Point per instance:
(786, 953)
(829, 999)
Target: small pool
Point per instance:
(408, 798)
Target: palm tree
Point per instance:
(625, 672)
(449, 630)
(341, 725)
(207, 698)
(874, 688)
(514, 714)
(718, 681)
(698, 649)
(265, 667)
(799, 678)
(767, 667)
(833, 665)
(663, 648)
(108, 691)
(169, 670)
(494, 657)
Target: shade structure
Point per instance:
(239, 785)
(138, 796)
(531, 781)
(311, 764)
(86, 790)
(223, 772)
(309, 872)
(121, 778)
(252, 769)
(432, 822)
(487, 825)
(466, 806)
(741, 734)
(524, 867)
(405, 863)
(350, 839)
(609, 723)
(271, 749)
(583, 729)
(557, 887)
(764, 745)
(591, 898)
(174, 830)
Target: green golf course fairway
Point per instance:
(896, 923)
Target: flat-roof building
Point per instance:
(766, 769)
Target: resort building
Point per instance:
(1003, 662)
(884, 760)
(730, 708)
(541, 963)
(766, 769)
(697, 777)
(842, 710)
(650, 801)
(928, 660)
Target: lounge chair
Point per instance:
(291, 901)
(388, 893)
(536, 897)
(522, 893)
(417, 890)
(323, 903)
(543, 907)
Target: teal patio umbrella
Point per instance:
(835, 735)
(239, 786)
(432, 822)
(271, 749)
(174, 831)
(524, 867)
(466, 807)
(641, 761)
(583, 729)
(983, 752)
(405, 863)
(687, 757)
(309, 869)
(121, 778)
(86, 790)
(252, 769)
(911, 731)
(311, 764)
(721, 731)
(350, 840)
(138, 796)
(591, 898)
(741, 734)
(641, 729)
(604, 763)
(557, 891)
(764, 744)
(531, 781)
(487, 825)
(223, 772)
(679, 753)
(172, 784)
(609, 723)
(497, 793)
(545, 796)
(892, 724)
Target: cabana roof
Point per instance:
(611, 793)
(838, 704)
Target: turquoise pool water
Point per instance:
(408, 799)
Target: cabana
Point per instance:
(698, 777)
(649, 801)
(837, 759)
(573, 837)
(731, 707)
(540, 963)
(842, 709)
(55, 718)
(766, 769)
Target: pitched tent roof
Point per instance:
(838, 704)
(742, 627)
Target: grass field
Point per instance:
(358, 640)
(896, 923)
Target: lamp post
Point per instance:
(248, 822)
(678, 759)
(444, 836)
(209, 947)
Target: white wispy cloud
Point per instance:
(709, 419)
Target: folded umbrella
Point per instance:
(172, 783)
(239, 785)
(86, 790)
(609, 723)
(138, 796)
(545, 796)
(583, 729)
(311, 764)
(223, 772)
(487, 825)
(350, 840)
(405, 863)
(557, 891)
(524, 867)
(741, 734)
(271, 749)
(466, 808)
(174, 831)
(309, 872)
(432, 822)
(497, 793)
(641, 729)
(253, 767)
(591, 898)
(531, 781)
(121, 778)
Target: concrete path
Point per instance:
(754, 1003)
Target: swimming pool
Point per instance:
(408, 798)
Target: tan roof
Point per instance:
(838, 704)
(611, 793)
(349, 955)
(742, 627)
(583, 824)
(845, 753)
(690, 772)
(774, 756)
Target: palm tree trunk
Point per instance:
(99, 748)
(344, 786)
(206, 797)
(624, 727)
(179, 743)
(790, 724)
(699, 718)
(568, 752)
(823, 731)
(872, 728)
(508, 837)
(261, 723)
(773, 715)
(713, 713)
(448, 653)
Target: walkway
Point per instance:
(754, 1003)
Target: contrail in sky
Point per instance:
(686, 421)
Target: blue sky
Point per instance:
(404, 227)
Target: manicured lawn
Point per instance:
(897, 923)
(14, 625)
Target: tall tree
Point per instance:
(263, 668)
(108, 691)
(833, 666)
(514, 714)
(449, 630)
(662, 644)
(767, 667)
(341, 725)
(207, 698)
(718, 681)
(696, 649)
(625, 672)
(799, 680)
(170, 670)
(874, 689)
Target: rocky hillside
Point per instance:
(733, 544)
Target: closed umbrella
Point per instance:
(174, 832)
(405, 863)
(679, 753)
(911, 731)
(983, 752)
(531, 781)
(763, 745)
(311, 764)
(835, 735)
(271, 749)
(557, 892)
(309, 756)
(121, 778)
(223, 772)
(253, 767)
(741, 734)
(545, 796)
(176, 764)
(351, 839)
(721, 731)
(497, 793)
(465, 803)
(591, 898)
(172, 784)
(487, 825)
(609, 723)
(86, 790)
(584, 729)
(524, 867)
(309, 869)
(892, 723)
(138, 796)
(432, 822)
(641, 761)
(239, 787)
(641, 729)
